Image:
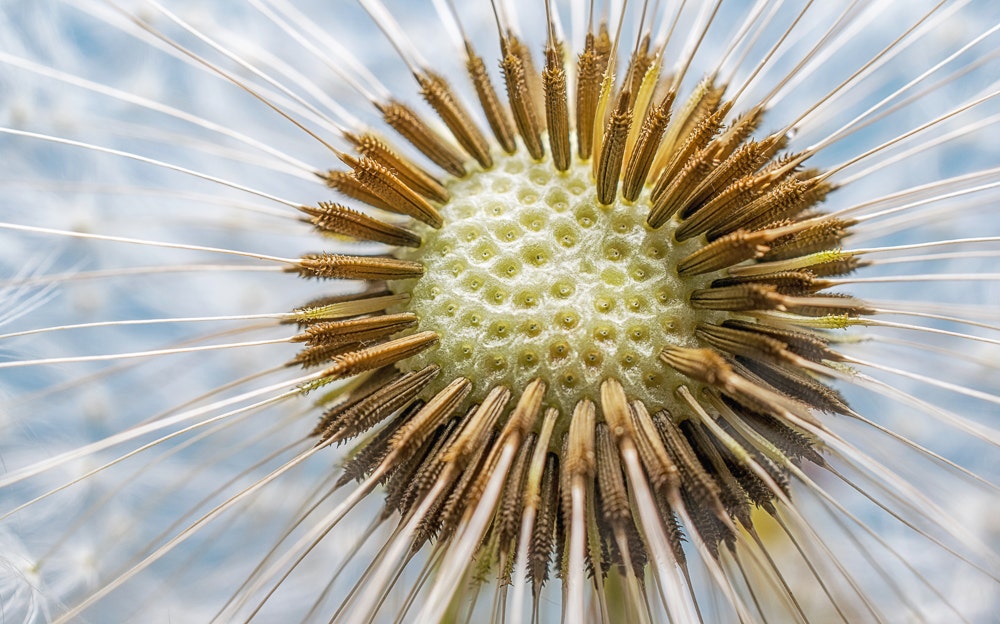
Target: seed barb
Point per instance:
(346, 183)
(725, 252)
(342, 306)
(355, 417)
(417, 429)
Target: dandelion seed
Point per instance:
(631, 323)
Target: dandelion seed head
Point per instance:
(612, 382)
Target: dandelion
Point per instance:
(620, 312)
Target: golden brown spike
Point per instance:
(507, 522)
(375, 299)
(522, 419)
(717, 209)
(704, 365)
(614, 407)
(743, 343)
(740, 130)
(725, 252)
(808, 346)
(521, 105)
(399, 197)
(364, 461)
(792, 383)
(356, 417)
(696, 140)
(660, 467)
(638, 64)
(356, 330)
(557, 106)
(609, 166)
(614, 508)
(476, 430)
(781, 201)
(532, 77)
(543, 536)
(787, 282)
(580, 458)
(742, 162)
(363, 386)
(653, 127)
(670, 200)
(827, 305)
(346, 183)
(411, 127)
(379, 355)
(730, 491)
(440, 96)
(337, 266)
(706, 105)
(426, 475)
(320, 355)
(332, 218)
(696, 481)
(739, 298)
(827, 234)
(447, 515)
(489, 101)
(589, 74)
(403, 168)
(417, 429)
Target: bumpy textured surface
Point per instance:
(531, 277)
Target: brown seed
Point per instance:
(440, 96)
(609, 166)
(519, 97)
(556, 106)
(496, 116)
(337, 266)
(407, 123)
(337, 219)
(394, 193)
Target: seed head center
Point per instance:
(531, 277)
